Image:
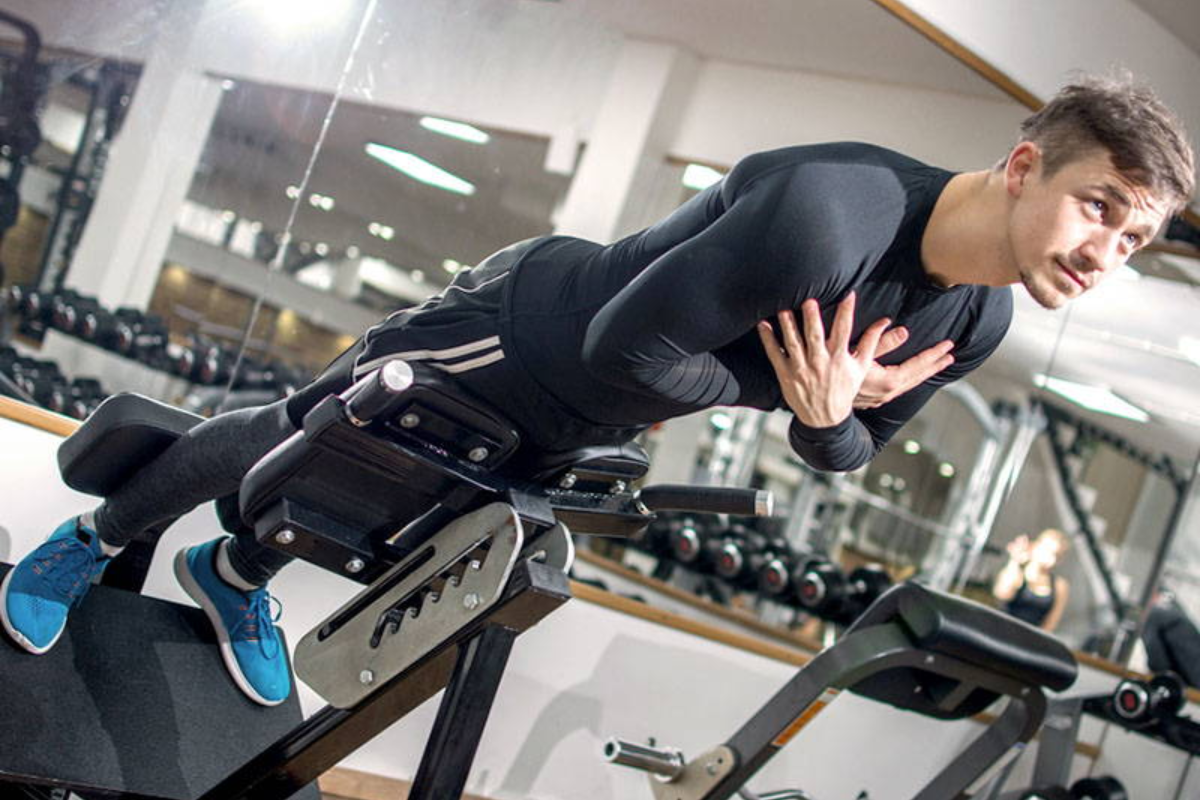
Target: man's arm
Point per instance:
(781, 240)
(859, 437)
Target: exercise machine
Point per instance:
(403, 483)
(915, 649)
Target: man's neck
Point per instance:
(966, 240)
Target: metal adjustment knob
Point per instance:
(477, 454)
(285, 536)
(410, 420)
(568, 480)
(355, 565)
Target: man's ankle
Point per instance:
(227, 573)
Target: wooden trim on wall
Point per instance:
(602, 597)
(959, 51)
(352, 784)
(37, 417)
(742, 618)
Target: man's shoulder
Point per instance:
(846, 154)
(857, 176)
(993, 314)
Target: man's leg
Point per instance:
(206, 462)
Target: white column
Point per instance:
(149, 169)
(647, 93)
(347, 278)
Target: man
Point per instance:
(898, 270)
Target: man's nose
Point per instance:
(1102, 251)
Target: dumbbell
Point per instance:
(77, 399)
(687, 537)
(188, 361)
(829, 593)
(255, 374)
(14, 296)
(1047, 793)
(1146, 702)
(31, 304)
(775, 575)
(39, 379)
(144, 337)
(1102, 788)
(67, 310)
(738, 557)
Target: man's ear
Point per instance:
(1023, 164)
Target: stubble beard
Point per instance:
(1048, 297)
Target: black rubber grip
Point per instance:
(712, 499)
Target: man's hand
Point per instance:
(884, 384)
(820, 379)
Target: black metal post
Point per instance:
(462, 715)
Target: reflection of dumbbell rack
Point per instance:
(76, 357)
(1149, 708)
(739, 558)
(134, 350)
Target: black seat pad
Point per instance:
(124, 433)
(974, 633)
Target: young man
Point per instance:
(898, 270)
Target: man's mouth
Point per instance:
(1073, 275)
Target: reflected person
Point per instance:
(1027, 584)
(844, 282)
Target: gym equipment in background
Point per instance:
(915, 649)
(1150, 708)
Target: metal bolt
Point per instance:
(471, 601)
(453, 581)
(355, 565)
(366, 677)
(617, 487)
(410, 420)
(928, 659)
(285, 536)
(433, 597)
(475, 564)
(568, 480)
(477, 454)
(711, 768)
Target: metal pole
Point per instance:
(1186, 490)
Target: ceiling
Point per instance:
(1180, 17)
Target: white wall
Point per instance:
(1038, 44)
(737, 109)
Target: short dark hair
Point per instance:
(1147, 142)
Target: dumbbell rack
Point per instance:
(77, 357)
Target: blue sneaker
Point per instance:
(38, 592)
(250, 645)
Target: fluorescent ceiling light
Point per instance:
(1094, 398)
(419, 169)
(292, 15)
(698, 176)
(1190, 347)
(456, 130)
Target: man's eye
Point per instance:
(1133, 239)
(1100, 206)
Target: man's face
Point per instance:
(1069, 231)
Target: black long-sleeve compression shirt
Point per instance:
(662, 323)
